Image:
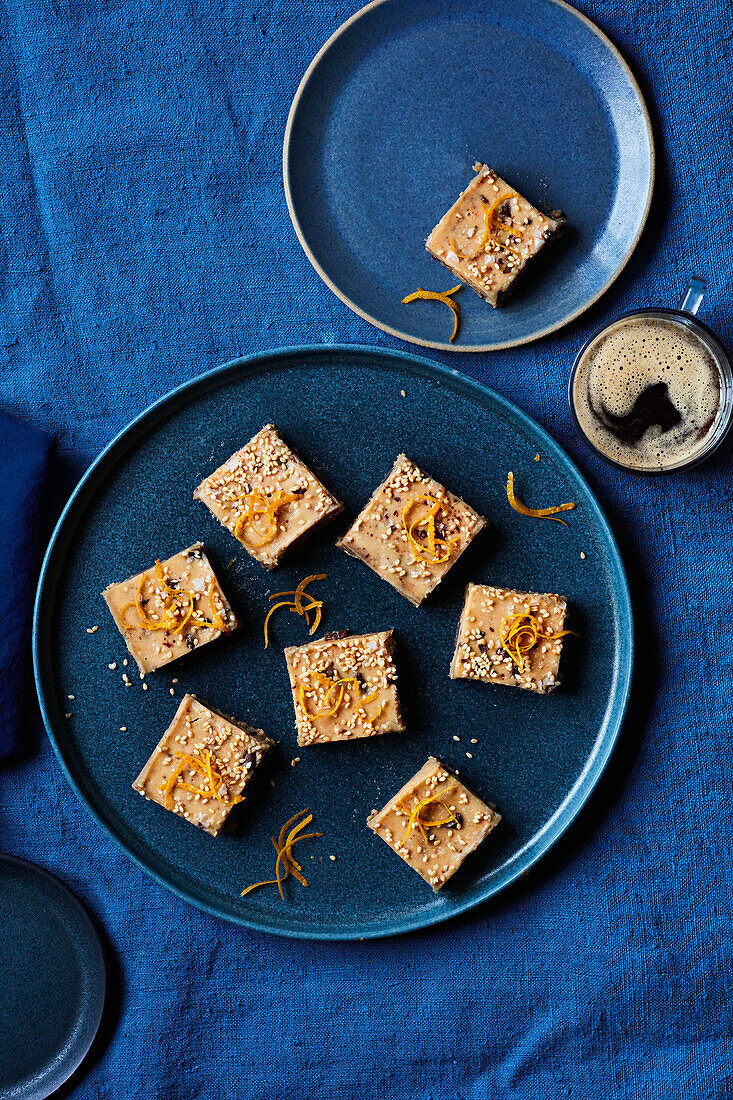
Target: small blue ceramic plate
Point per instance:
(342, 409)
(393, 112)
(53, 979)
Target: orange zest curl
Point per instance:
(416, 820)
(535, 513)
(204, 765)
(179, 607)
(491, 211)
(443, 296)
(488, 211)
(258, 507)
(328, 709)
(290, 834)
(490, 224)
(436, 550)
(297, 606)
(519, 634)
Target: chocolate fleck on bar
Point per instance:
(170, 609)
(201, 765)
(434, 822)
(344, 688)
(490, 234)
(267, 497)
(508, 637)
(411, 531)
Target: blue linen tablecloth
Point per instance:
(140, 161)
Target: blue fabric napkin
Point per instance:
(26, 513)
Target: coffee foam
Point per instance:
(621, 364)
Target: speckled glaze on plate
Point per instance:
(53, 982)
(389, 119)
(537, 757)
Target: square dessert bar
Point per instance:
(170, 609)
(201, 765)
(267, 497)
(507, 637)
(411, 531)
(344, 687)
(434, 822)
(490, 234)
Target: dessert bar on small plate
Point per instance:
(490, 234)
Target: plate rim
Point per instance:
(69, 1065)
(438, 344)
(555, 826)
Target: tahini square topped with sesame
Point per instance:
(508, 637)
(490, 234)
(344, 688)
(267, 497)
(170, 609)
(411, 531)
(201, 765)
(434, 822)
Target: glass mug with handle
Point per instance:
(653, 391)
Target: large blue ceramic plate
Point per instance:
(536, 757)
(398, 105)
(53, 981)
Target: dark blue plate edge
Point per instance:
(440, 345)
(83, 1044)
(596, 763)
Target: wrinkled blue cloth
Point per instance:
(140, 164)
(26, 511)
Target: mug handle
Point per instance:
(693, 296)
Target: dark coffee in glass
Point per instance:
(652, 392)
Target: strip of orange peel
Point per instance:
(202, 764)
(176, 620)
(326, 681)
(514, 627)
(535, 513)
(436, 505)
(259, 504)
(438, 296)
(489, 224)
(290, 834)
(416, 820)
(296, 604)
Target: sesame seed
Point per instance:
(92, 629)
(113, 666)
